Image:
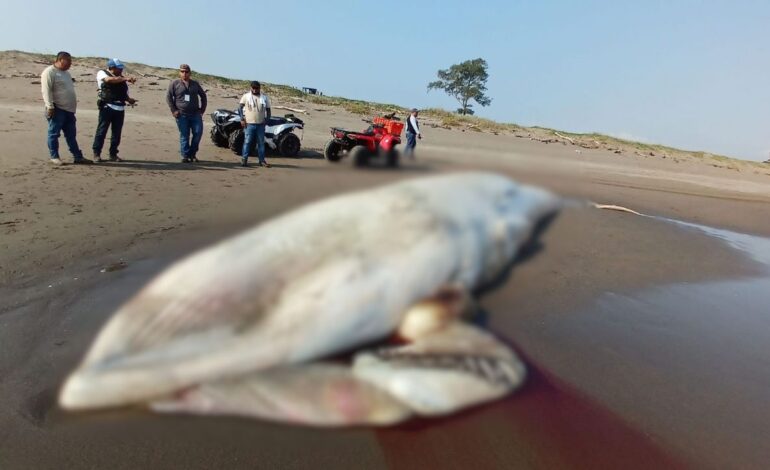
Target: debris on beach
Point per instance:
(116, 266)
(613, 207)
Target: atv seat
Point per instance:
(275, 121)
(346, 132)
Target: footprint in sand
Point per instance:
(37, 406)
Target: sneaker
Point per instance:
(115, 158)
(56, 162)
(97, 159)
(244, 162)
(83, 161)
(265, 164)
(193, 159)
(185, 160)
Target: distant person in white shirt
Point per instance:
(112, 86)
(254, 109)
(412, 133)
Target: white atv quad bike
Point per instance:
(279, 132)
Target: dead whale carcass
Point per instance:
(321, 279)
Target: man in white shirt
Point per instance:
(61, 102)
(113, 97)
(412, 133)
(254, 109)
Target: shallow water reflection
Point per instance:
(757, 248)
(689, 363)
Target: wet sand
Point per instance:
(633, 363)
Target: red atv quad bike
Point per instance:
(377, 142)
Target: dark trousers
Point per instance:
(63, 121)
(109, 117)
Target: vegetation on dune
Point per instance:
(465, 82)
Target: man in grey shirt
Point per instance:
(187, 103)
(60, 105)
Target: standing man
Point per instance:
(412, 133)
(187, 102)
(61, 102)
(113, 96)
(254, 110)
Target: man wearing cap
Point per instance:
(61, 102)
(187, 102)
(112, 89)
(412, 133)
(254, 109)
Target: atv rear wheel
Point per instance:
(360, 155)
(218, 139)
(288, 145)
(235, 141)
(332, 151)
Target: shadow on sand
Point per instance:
(528, 250)
(207, 165)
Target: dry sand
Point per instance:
(61, 227)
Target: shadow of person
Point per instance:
(209, 165)
(170, 166)
(272, 165)
(310, 154)
(410, 168)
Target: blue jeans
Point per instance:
(252, 131)
(63, 121)
(411, 143)
(189, 123)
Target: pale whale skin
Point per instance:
(318, 280)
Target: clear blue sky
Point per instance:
(687, 73)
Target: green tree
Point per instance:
(464, 81)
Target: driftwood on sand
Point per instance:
(571, 141)
(612, 207)
(293, 110)
(152, 75)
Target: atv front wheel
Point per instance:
(360, 155)
(332, 151)
(288, 145)
(235, 141)
(218, 139)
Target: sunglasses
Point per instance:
(185, 71)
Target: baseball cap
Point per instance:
(414, 110)
(114, 63)
(184, 67)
